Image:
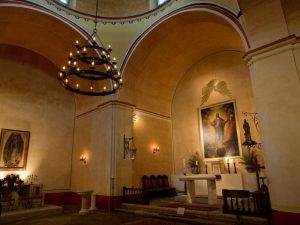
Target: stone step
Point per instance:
(23, 214)
(190, 216)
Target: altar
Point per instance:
(211, 187)
(228, 181)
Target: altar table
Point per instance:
(211, 187)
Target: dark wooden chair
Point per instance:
(153, 182)
(170, 190)
(146, 182)
(148, 186)
(153, 192)
(161, 189)
(160, 182)
(166, 181)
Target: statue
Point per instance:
(247, 134)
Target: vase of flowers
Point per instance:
(194, 163)
(14, 184)
(250, 160)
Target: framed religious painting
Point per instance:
(13, 149)
(219, 132)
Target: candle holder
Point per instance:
(206, 168)
(234, 166)
(228, 166)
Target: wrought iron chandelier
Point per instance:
(90, 69)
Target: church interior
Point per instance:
(191, 89)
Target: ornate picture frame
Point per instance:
(13, 149)
(219, 131)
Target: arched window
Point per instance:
(65, 2)
(159, 2)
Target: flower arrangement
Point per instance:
(250, 160)
(194, 163)
(13, 182)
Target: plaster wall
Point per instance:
(122, 115)
(276, 84)
(291, 10)
(225, 66)
(150, 131)
(32, 100)
(264, 21)
(93, 138)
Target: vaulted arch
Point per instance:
(160, 58)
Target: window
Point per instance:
(160, 2)
(65, 2)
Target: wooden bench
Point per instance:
(135, 195)
(243, 202)
(158, 186)
(153, 187)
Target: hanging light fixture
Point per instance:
(90, 69)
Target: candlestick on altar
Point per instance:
(234, 165)
(184, 167)
(206, 168)
(228, 166)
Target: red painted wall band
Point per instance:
(72, 198)
(285, 218)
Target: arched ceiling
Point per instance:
(164, 55)
(39, 32)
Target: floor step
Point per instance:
(215, 217)
(23, 214)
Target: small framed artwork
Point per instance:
(217, 167)
(13, 149)
(219, 131)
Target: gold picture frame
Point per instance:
(219, 131)
(14, 149)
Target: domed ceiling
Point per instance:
(54, 43)
(112, 8)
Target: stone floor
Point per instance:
(157, 213)
(70, 217)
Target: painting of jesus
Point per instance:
(219, 131)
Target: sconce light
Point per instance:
(129, 150)
(82, 159)
(134, 118)
(156, 149)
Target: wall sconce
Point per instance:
(129, 150)
(156, 149)
(134, 118)
(82, 159)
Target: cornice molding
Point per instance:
(126, 105)
(153, 114)
(275, 47)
